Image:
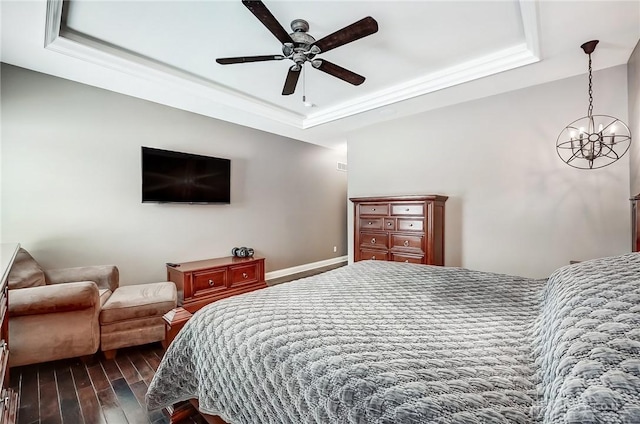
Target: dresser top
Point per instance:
(8, 252)
(212, 263)
(409, 198)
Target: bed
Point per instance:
(385, 342)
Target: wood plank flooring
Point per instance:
(97, 390)
(93, 391)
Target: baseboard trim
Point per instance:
(302, 268)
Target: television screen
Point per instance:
(175, 177)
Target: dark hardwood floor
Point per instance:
(97, 390)
(93, 391)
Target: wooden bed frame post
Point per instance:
(635, 223)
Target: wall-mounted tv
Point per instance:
(176, 177)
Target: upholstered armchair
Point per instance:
(54, 314)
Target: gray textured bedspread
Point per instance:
(383, 342)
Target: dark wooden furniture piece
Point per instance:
(9, 397)
(400, 228)
(204, 282)
(174, 320)
(209, 280)
(635, 223)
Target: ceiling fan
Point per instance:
(300, 47)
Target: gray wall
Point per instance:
(633, 75)
(71, 187)
(514, 206)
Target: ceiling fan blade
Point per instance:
(291, 81)
(353, 32)
(268, 20)
(338, 71)
(247, 59)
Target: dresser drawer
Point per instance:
(405, 224)
(406, 241)
(245, 274)
(207, 282)
(372, 223)
(408, 209)
(373, 255)
(374, 240)
(378, 209)
(411, 259)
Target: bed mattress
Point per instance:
(384, 342)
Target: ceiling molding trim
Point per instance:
(494, 63)
(53, 21)
(529, 14)
(71, 43)
(62, 40)
(504, 60)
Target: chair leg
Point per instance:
(110, 354)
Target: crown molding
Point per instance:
(494, 63)
(60, 39)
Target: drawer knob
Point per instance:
(373, 209)
(211, 283)
(406, 243)
(245, 275)
(373, 240)
(406, 260)
(410, 225)
(407, 210)
(388, 224)
(373, 258)
(369, 223)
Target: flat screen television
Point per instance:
(176, 177)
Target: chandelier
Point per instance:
(593, 141)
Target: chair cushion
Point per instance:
(25, 272)
(139, 301)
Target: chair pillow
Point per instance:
(25, 272)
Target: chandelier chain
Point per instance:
(590, 112)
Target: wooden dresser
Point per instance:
(203, 282)
(209, 280)
(400, 228)
(9, 398)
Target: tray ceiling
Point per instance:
(426, 54)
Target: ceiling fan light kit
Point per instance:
(593, 141)
(300, 47)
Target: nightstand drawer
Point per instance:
(208, 282)
(243, 275)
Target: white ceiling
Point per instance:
(426, 54)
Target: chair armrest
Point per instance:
(105, 276)
(54, 298)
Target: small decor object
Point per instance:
(593, 141)
(242, 252)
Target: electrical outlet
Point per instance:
(335, 248)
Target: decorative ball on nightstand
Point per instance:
(242, 252)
